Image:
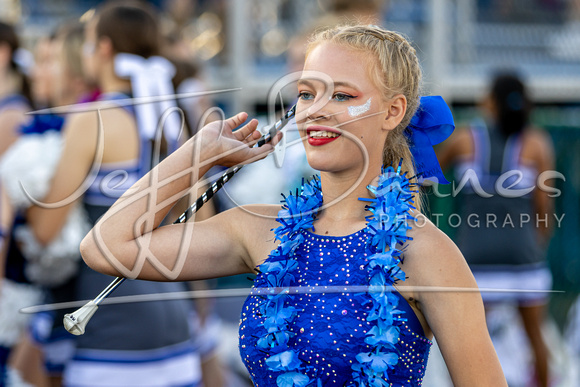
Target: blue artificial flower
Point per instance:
(278, 274)
(383, 240)
(298, 212)
(274, 339)
(378, 361)
(284, 361)
(378, 382)
(387, 226)
(313, 188)
(397, 273)
(287, 247)
(382, 313)
(279, 317)
(386, 337)
(378, 283)
(384, 260)
(292, 379)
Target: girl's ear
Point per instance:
(395, 108)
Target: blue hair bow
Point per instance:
(42, 123)
(431, 125)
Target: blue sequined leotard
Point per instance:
(329, 329)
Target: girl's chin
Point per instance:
(341, 163)
(333, 165)
(321, 164)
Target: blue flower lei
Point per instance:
(387, 225)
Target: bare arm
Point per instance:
(456, 319)
(458, 145)
(11, 120)
(6, 219)
(542, 153)
(82, 135)
(79, 144)
(129, 232)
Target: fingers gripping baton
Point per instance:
(76, 322)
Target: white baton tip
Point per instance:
(76, 322)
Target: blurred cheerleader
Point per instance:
(140, 343)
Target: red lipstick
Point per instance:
(315, 140)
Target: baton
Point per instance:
(76, 322)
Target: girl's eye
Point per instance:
(305, 96)
(340, 97)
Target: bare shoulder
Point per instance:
(538, 147)
(431, 258)
(256, 217)
(537, 135)
(463, 142)
(88, 123)
(459, 145)
(112, 130)
(14, 115)
(11, 119)
(462, 135)
(81, 122)
(537, 139)
(455, 316)
(431, 261)
(253, 225)
(81, 126)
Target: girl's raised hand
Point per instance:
(228, 147)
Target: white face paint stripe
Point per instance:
(355, 111)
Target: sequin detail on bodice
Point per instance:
(329, 329)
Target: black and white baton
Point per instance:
(76, 322)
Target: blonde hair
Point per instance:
(396, 71)
(73, 39)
